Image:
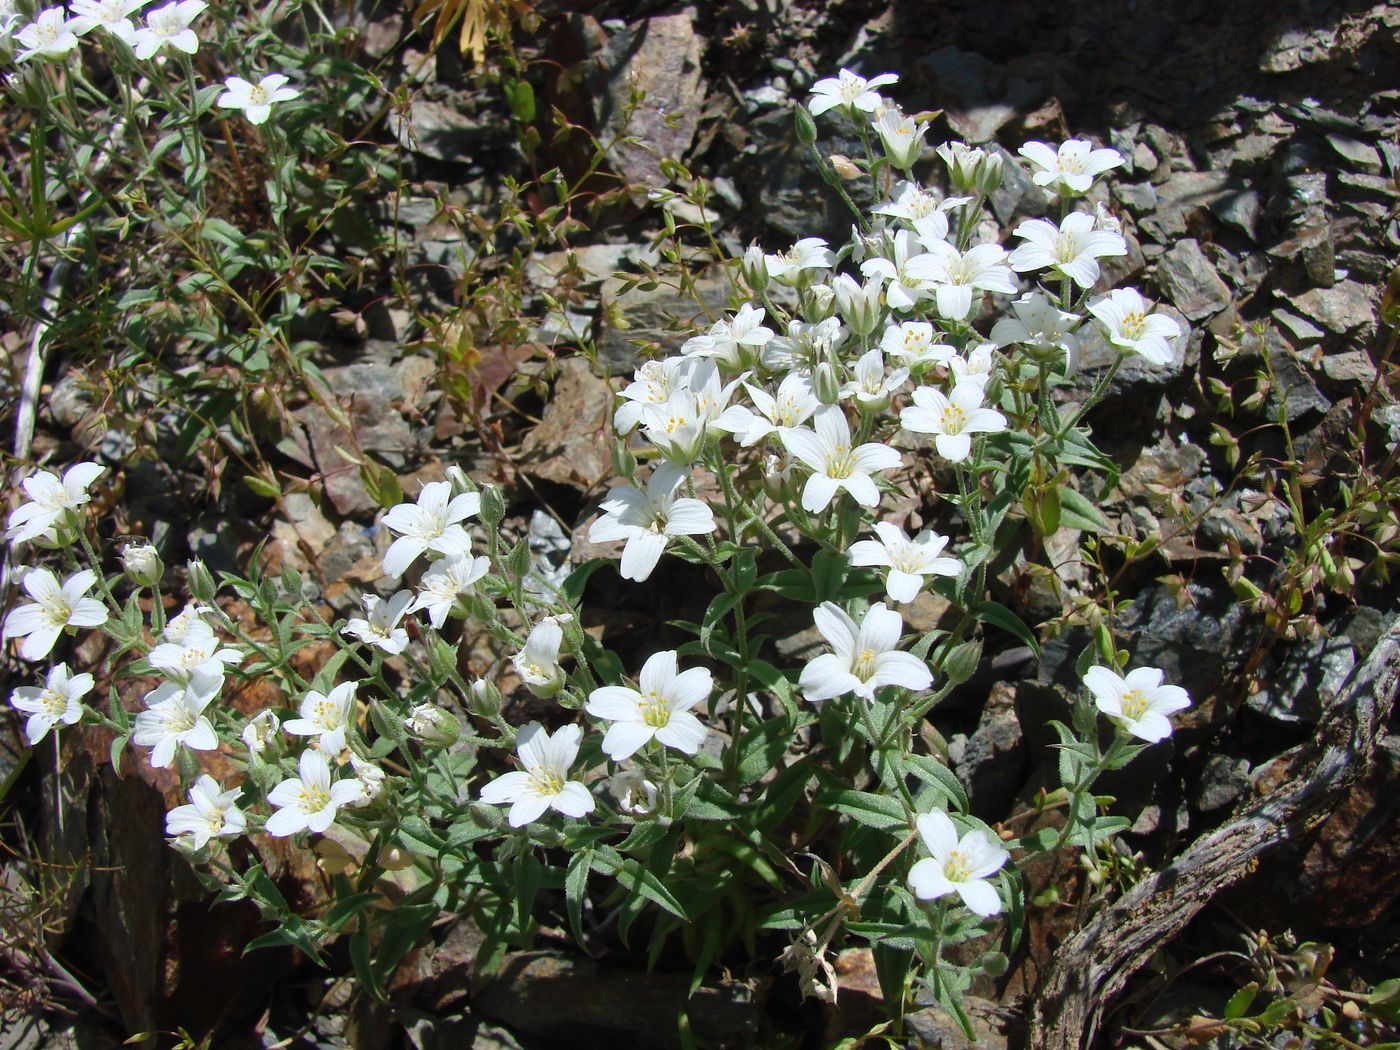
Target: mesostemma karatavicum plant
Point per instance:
(713, 790)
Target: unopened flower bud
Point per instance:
(825, 386)
(460, 482)
(201, 582)
(142, 563)
(395, 858)
(493, 507)
(804, 126)
(971, 170)
(635, 795)
(371, 779)
(902, 138)
(432, 726)
(859, 304)
(818, 303)
(845, 167)
(485, 699)
(755, 269)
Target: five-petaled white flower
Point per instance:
(448, 579)
(909, 561)
(863, 658)
(1072, 249)
(849, 90)
(1128, 325)
(653, 383)
(256, 100)
(50, 35)
(51, 500)
(956, 275)
(1072, 168)
(835, 465)
(810, 253)
(976, 368)
(538, 663)
(1041, 326)
(212, 813)
(380, 624)
(792, 406)
(906, 272)
(901, 135)
(260, 731)
(958, 866)
(112, 15)
(649, 520)
(327, 716)
(174, 717)
(431, 524)
(544, 781)
(872, 386)
(952, 418)
(59, 701)
(659, 708)
(197, 652)
(912, 343)
(309, 802)
(1139, 702)
(730, 342)
(54, 608)
(169, 26)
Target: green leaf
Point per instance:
(577, 580)
(633, 877)
(521, 98)
(1000, 616)
(939, 776)
(118, 746)
(874, 811)
(1241, 1001)
(828, 573)
(1078, 513)
(892, 969)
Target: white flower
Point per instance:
(59, 701)
(648, 520)
(256, 100)
(792, 406)
(835, 465)
(975, 368)
(909, 561)
(197, 652)
(906, 283)
(432, 726)
(957, 866)
(902, 137)
(51, 501)
(49, 36)
(859, 304)
(327, 716)
(1128, 325)
(309, 802)
(864, 658)
(680, 425)
(538, 663)
(211, 813)
(847, 89)
(810, 253)
(380, 625)
(544, 781)
(914, 203)
(371, 779)
(1072, 168)
(1039, 325)
(54, 608)
(141, 562)
(730, 342)
(261, 731)
(1072, 249)
(174, 717)
(1138, 703)
(872, 387)
(445, 582)
(635, 794)
(659, 708)
(955, 275)
(653, 384)
(169, 25)
(808, 342)
(431, 524)
(911, 342)
(971, 170)
(951, 418)
(187, 620)
(112, 15)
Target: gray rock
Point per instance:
(1223, 780)
(1190, 281)
(1239, 209)
(1298, 330)
(437, 129)
(1352, 366)
(932, 1026)
(977, 96)
(1017, 195)
(1341, 309)
(1294, 389)
(1185, 202)
(657, 59)
(1365, 159)
(570, 446)
(1309, 676)
(658, 316)
(991, 763)
(1139, 198)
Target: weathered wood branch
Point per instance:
(1095, 965)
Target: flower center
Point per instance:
(58, 611)
(1072, 163)
(546, 782)
(216, 821)
(655, 711)
(954, 419)
(1134, 325)
(165, 23)
(55, 702)
(180, 720)
(864, 665)
(957, 868)
(914, 342)
(326, 714)
(313, 798)
(838, 462)
(257, 95)
(1066, 248)
(1134, 704)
